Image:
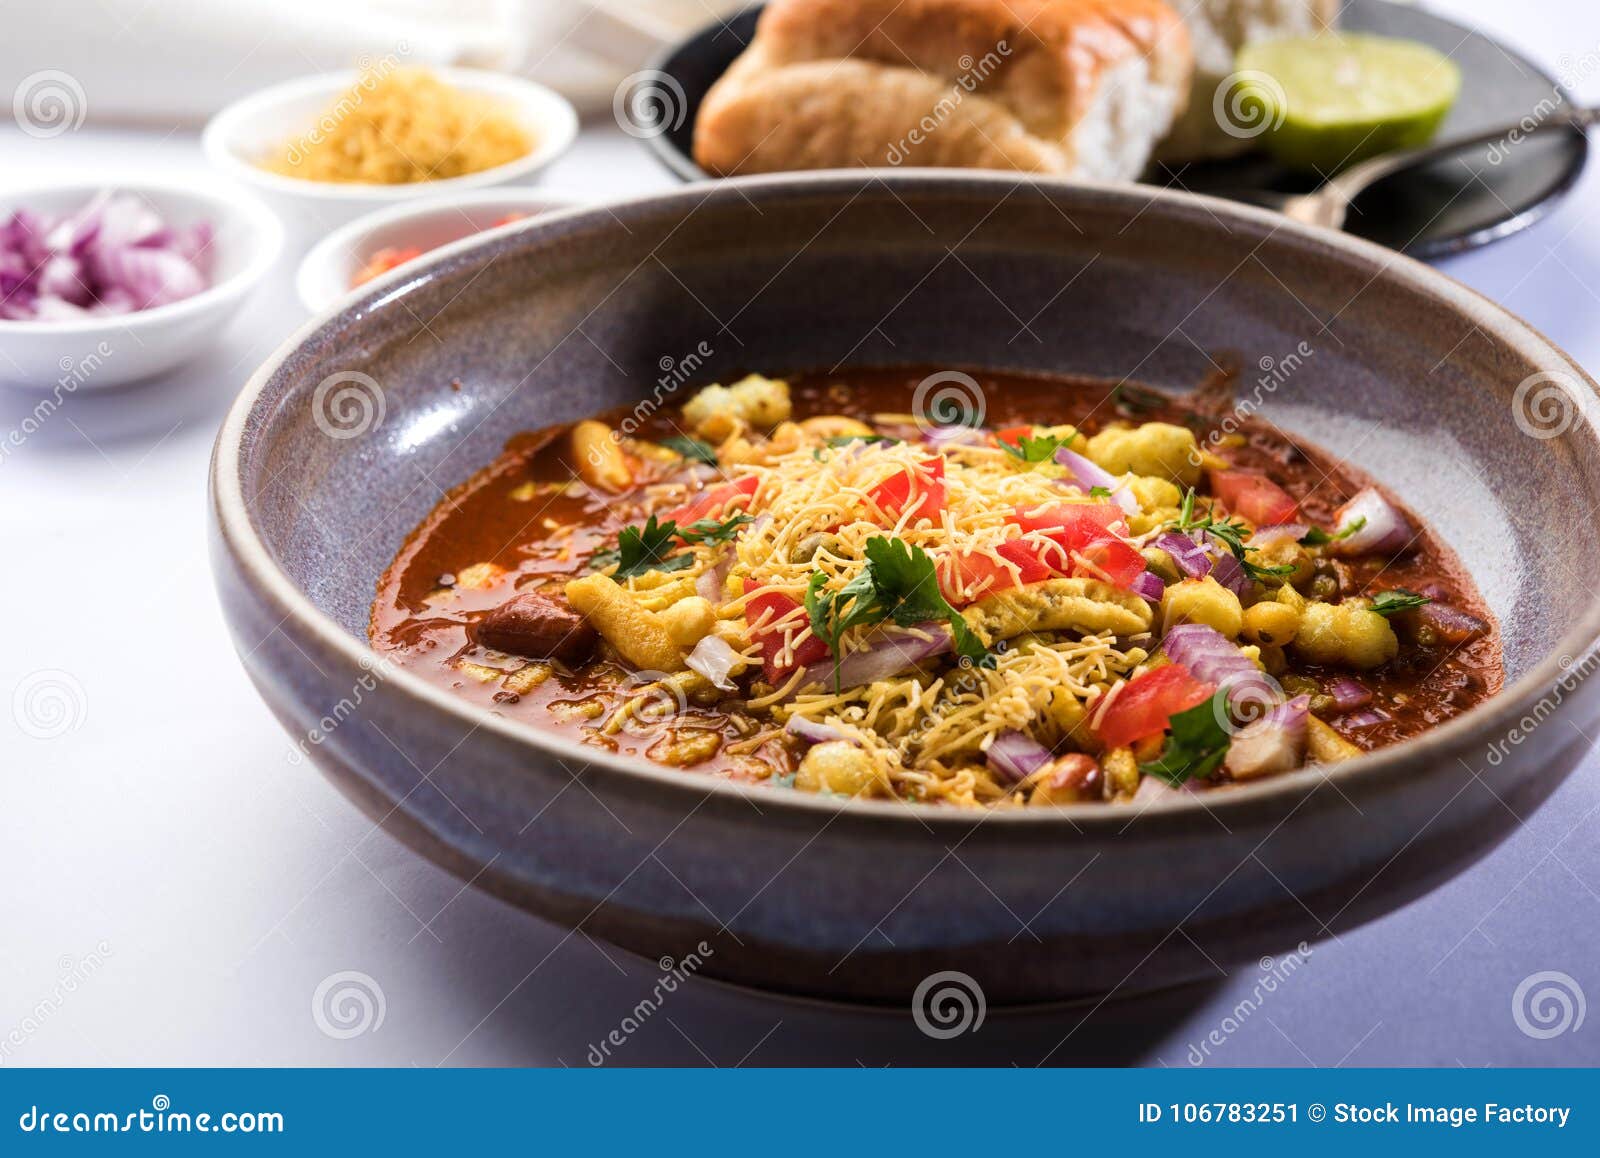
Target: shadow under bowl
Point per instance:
(1476, 420)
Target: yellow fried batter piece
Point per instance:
(1087, 606)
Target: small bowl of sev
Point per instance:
(323, 150)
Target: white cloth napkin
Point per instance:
(179, 61)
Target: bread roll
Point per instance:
(1217, 30)
(1077, 87)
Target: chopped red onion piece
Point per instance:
(889, 654)
(1208, 656)
(1385, 531)
(1366, 719)
(1190, 557)
(812, 732)
(1450, 624)
(1086, 476)
(709, 585)
(940, 436)
(1265, 536)
(1349, 694)
(1148, 585)
(112, 256)
(713, 657)
(1015, 757)
(1229, 572)
(1275, 743)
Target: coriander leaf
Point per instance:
(692, 448)
(1316, 536)
(712, 531)
(1197, 745)
(908, 587)
(1230, 534)
(641, 549)
(898, 583)
(1387, 603)
(1099, 492)
(1033, 450)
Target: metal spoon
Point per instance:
(1330, 205)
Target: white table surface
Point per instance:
(174, 891)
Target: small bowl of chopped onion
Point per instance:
(323, 150)
(104, 285)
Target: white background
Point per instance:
(219, 885)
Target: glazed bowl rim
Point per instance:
(1482, 723)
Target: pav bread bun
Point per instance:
(1076, 87)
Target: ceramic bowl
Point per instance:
(1483, 426)
(238, 136)
(96, 353)
(326, 272)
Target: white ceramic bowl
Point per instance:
(326, 272)
(109, 351)
(241, 134)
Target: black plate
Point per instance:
(1441, 209)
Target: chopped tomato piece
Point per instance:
(385, 259)
(1073, 524)
(1012, 435)
(770, 607)
(1143, 705)
(1254, 497)
(920, 491)
(712, 501)
(1112, 559)
(968, 577)
(1090, 531)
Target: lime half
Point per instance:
(1326, 102)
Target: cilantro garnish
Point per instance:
(713, 531)
(1099, 492)
(1316, 536)
(1197, 745)
(1230, 534)
(1031, 450)
(1387, 603)
(648, 547)
(692, 449)
(898, 583)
